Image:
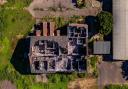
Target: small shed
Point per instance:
(101, 47)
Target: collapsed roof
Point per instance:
(50, 54)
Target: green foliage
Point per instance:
(60, 81)
(82, 75)
(4, 51)
(81, 4)
(5, 46)
(21, 81)
(19, 3)
(13, 23)
(95, 73)
(2, 21)
(105, 22)
(59, 85)
(59, 21)
(56, 78)
(116, 87)
(93, 61)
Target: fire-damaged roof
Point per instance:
(62, 40)
(50, 54)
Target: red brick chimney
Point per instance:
(45, 29)
(52, 28)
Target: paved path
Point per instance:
(110, 73)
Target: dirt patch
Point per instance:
(7, 85)
(88, 83)
(41, 78)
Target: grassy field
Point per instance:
(15, 24)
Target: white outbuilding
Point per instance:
(120, 30)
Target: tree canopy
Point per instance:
(105, 20)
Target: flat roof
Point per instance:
(120, 36)
(101, 47)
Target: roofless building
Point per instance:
(51, 53)
(120, 31)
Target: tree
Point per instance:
(80, 3)
(105, 22)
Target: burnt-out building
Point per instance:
(56, 53)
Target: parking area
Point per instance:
(110, 73)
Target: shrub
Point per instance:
(105, 22)
(116, 87)
(82, 75)
(93, 61)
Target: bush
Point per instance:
(95, 73)
(64, 78)
(19, 3)
(82, 75)
(93, 61)
(53, 78)
(80, 4)
(116, 87)
(93, 64)
(105, 20)
(12, 23)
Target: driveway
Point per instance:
(110, 73)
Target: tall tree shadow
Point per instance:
(124, 68)
(20, 56)
(107, 5)
(63, 30)
(93, 25)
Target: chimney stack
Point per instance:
(45, 29)
(58, 32)
(52, 28)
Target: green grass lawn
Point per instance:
(13, 23)
(49, 86)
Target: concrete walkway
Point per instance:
(36, 9)
(110, 73)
